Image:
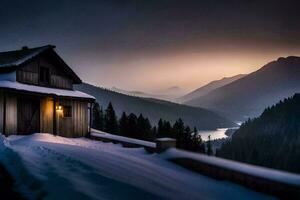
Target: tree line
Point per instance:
(139, 127)
(271, 140)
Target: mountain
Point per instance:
(174, 90)
(248, 96)
(155, 109)
(142, 94)
(209, 87)
(272, 140)
(171, 93)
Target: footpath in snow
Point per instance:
(54, 167)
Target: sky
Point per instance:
(155, 44)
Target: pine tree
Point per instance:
(149, 135)
(167, 129)
(187, 138)
(197, 143)
(209, 150)
(132, 126)
(160, 128)
(178, 129)
(141, 124)
(195, 133)
(123, 125)
(110, 120)
(154, 131)
(98, 118)
(144, 128)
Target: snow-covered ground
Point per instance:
(63, 168)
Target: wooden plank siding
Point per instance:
(29, 74)
(77, 125)
(74, 126)
(60, 81)
(11, 114)
(1, 110)
(27, 77)
(46, 115)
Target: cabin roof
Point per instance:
(12, 60)
(44, 90)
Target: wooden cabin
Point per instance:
(37, 95)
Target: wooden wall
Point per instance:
(58, 78)
(30, 73)
(46, 115)
(1, 111)
(77, 125)
(61, 82)
(11, 114)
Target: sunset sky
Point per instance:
(155, 44)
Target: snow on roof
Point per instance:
(44, 90)
(15, 58)
(97, 133)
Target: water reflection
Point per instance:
(214, 134)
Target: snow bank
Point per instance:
(25, 182)
(43, 90)
(85, 169)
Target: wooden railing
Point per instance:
(278, 183)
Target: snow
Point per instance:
(86, 169)
(165, 139)
(43, 90)
(25, 58)
(271, 174)
(100, 134)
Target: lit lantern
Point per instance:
(59, 108)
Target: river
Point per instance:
(214, 134)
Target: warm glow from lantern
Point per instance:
(59, 108)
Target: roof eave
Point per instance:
(47, 94)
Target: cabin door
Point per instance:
(28, 116)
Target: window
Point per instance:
(44, 75)
(67, 111)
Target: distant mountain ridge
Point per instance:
(168, 94)
(171, 93)
(155, 109)
(249, 95)
(209, 87)
(141, 94)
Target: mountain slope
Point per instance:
(272, 140)
(142, 94)
(155, 109)
(209, 87)
(248, 96)
(173, 92)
